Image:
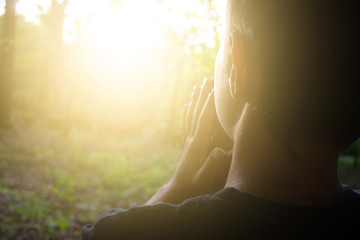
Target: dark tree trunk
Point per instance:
(6, 65)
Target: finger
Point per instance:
(211, 165)
(190, 111)
(215, 170)
(184, 134)
(205, 90)
(206, 119)
(222, 174)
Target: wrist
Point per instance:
(162, 195)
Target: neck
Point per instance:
(262, 167)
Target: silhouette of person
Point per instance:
(286, 92)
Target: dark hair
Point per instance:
(309, 55)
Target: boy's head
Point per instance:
(298, 61)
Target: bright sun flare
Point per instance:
(112, 55)
(127, 30)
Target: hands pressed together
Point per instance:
(206, 158)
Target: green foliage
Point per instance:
(53, 183)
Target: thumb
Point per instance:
(215, 170)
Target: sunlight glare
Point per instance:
(31, 9)
(126, 30)
(2, 7)
(113, 55)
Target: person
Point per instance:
(286, 92)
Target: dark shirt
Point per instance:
(230, 214)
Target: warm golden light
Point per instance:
(126, 30)
(115, 60)
(98, 89)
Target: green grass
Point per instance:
(52, 183)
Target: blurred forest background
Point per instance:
(91, 99)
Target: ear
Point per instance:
(238, 80)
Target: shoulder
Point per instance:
(157, 220)
(228, 213)
(357, 192)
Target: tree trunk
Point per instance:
(54, 21)
(6, 66)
